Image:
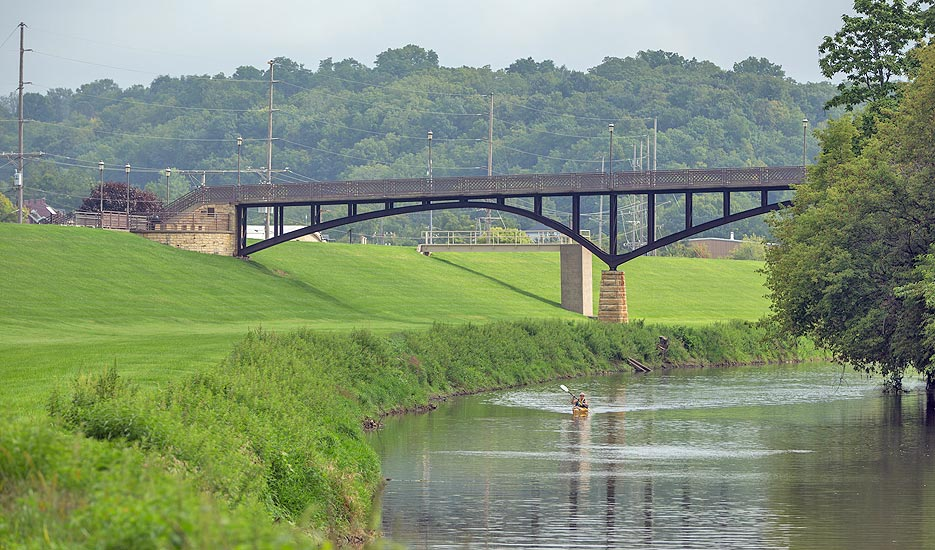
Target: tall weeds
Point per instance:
(273, 433)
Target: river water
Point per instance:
(806, 456)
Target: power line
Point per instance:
(538, 131)
(600, 119)
(382, 162)
(143, 103)
(92, 63)
(5, 40)
(144, 136)
(393, 88)
(111, 44)
(373, 104)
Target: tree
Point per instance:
(408, 59)
(115, 199)
(873, 51)
(761, 66)
(7, 210)
(853, 269)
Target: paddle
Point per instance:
(565, 389)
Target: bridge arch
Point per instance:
(613, 260)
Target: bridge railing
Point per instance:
(509, 185)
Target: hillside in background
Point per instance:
(82, 299)
(346, 120)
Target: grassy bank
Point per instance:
(277, 425)
(193, 445)
(79, 299)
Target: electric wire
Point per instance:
(372, 104)
(73, 60)
(109, 44)
(146, 104)
(145, 136)
(5, 40)
(377, 161)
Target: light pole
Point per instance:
(168, 173)
(804, 132)
(100, 168)
(431, 189)
(611, 128)
(127, 168)
(239, 145)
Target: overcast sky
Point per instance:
(132, 42)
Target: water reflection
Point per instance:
(731, 458)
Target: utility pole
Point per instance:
(18, 177)
(269, 146)
(431, 189)
(19, 169)
(487, 218)
(490, 140)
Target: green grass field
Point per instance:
(77, 299)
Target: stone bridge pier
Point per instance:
(612, 303)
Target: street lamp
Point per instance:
(168, 173)
(239, 145)
(804, 132)
(100, 168)
(127, 168)
(431, 189)
(611, 128)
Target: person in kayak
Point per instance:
(581, 401)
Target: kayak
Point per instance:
(579, 411)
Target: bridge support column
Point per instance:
(577, 291)
(612, 303)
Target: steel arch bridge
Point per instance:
(373, 199)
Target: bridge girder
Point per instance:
(611, 257)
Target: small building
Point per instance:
(716, 247)
(39, 211)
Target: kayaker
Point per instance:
(581, 401)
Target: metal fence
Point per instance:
(543, 236)
(111, 220)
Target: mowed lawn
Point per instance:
(77, 299)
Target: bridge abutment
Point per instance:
(577, 291)
(612, 302)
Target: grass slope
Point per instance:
(77, 299)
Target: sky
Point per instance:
(77, 42)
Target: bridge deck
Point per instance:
(659, 181)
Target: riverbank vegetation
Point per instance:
(854, 270)
(83, 299)
(272, 435)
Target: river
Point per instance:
(805, 456)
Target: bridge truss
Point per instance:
(521, 195)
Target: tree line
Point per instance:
(855, 266)
(346, 120)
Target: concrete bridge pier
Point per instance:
(577, 293)
(612, 303)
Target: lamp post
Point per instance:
(100, 168)
(168, 173)
(804, 132)
(239, 145)
(611, 128)
(127, 168)
(431, 189)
